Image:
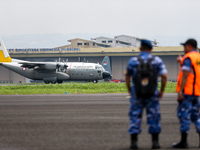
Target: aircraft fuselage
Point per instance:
(74, 71)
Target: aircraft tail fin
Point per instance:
(4, 55)
(106, 64)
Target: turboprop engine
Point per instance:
(59, 67)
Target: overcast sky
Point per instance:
(141, 18)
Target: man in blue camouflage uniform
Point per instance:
(151, 104)
(188, 108)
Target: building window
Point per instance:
(110, 41)
(93, 44)
(103, 41)
(116, 41)
(86, 44)
(79, 43)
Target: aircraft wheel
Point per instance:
(60, 81)
(53, 82)
(95, 81)
(46, 82)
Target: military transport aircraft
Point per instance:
(52, 72)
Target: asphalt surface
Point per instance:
(80, 122)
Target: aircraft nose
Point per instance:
(106, 74)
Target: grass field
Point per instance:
(72, 88)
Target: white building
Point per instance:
(121, 41)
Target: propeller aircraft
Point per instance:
(56, 72)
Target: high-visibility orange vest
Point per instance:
(192, 86)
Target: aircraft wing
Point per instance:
(43, 66)
(30, 65)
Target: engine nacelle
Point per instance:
(49, 66)
(54, 66)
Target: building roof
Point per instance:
(133, 37)
(78, 39)
(101, 37)
(125, 35)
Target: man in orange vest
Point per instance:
(188, 89)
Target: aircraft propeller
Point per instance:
(58, 65)
(65, 65)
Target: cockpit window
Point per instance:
(99, 67)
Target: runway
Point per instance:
(80, 122)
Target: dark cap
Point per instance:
(147, 43)
(191, 42)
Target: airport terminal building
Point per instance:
(94, 51)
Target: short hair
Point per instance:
(145, 47)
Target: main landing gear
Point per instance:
(95, 81)
(54, 82)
